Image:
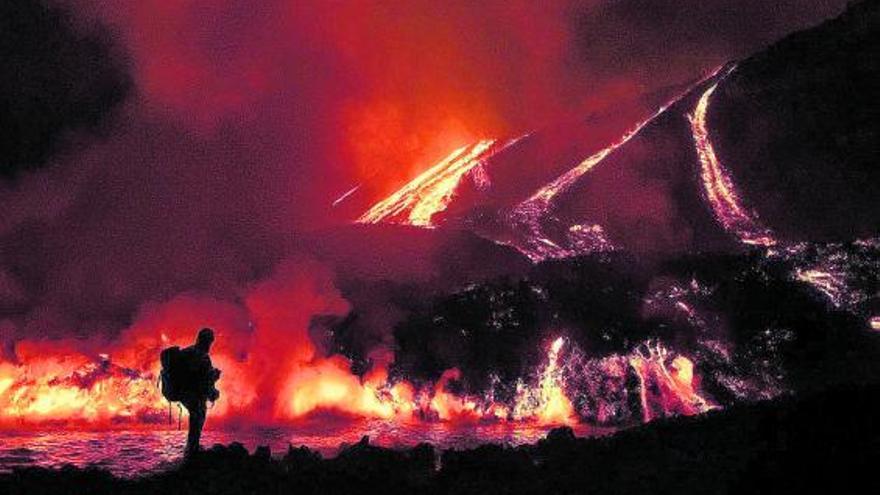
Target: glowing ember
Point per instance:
(430, 193)
(666, 385)
(555, 406)
(837, 271)
(830, 284)
(718, 186)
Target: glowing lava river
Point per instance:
(719, 189)
(55, 410)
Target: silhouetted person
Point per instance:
(189, 376)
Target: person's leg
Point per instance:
(197, 411)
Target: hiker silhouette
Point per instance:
(189, 377)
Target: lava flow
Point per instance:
(61, 388)
(556, 407)
(717, 184)
(430, 193)
(828, 275)
(51, 386)
(69, 388)
(526, 216)
(665, 386)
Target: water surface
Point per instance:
(143, 451)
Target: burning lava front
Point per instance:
(430, 193)
(63, 387)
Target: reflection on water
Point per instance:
(136, 452)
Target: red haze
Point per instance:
(249, 118)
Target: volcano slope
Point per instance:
(779, 147)
(647, 251)
(655, 241)
(796, 123)
(734, 227)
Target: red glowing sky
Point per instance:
(247, 119)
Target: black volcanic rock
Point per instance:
(751, 330)
(484, 328)
(795, 126)
(799, 127)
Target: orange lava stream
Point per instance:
(717, 184)
(735, 218)
(582, 238)
(430, 193)
(833, 285)
(71, 390)
(46, 391)
(666, 387)
(555, 406)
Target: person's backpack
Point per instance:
(173, 378)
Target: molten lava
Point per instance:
(345, 195)
(831, 284)
(837, 271)
(58, 388)
(717, 184)
(430, 193)
(526, 217)
(829, 275)
(555, 407)
(274, 373)
(70, 389)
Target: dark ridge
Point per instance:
(56, 79)
(797, 128)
